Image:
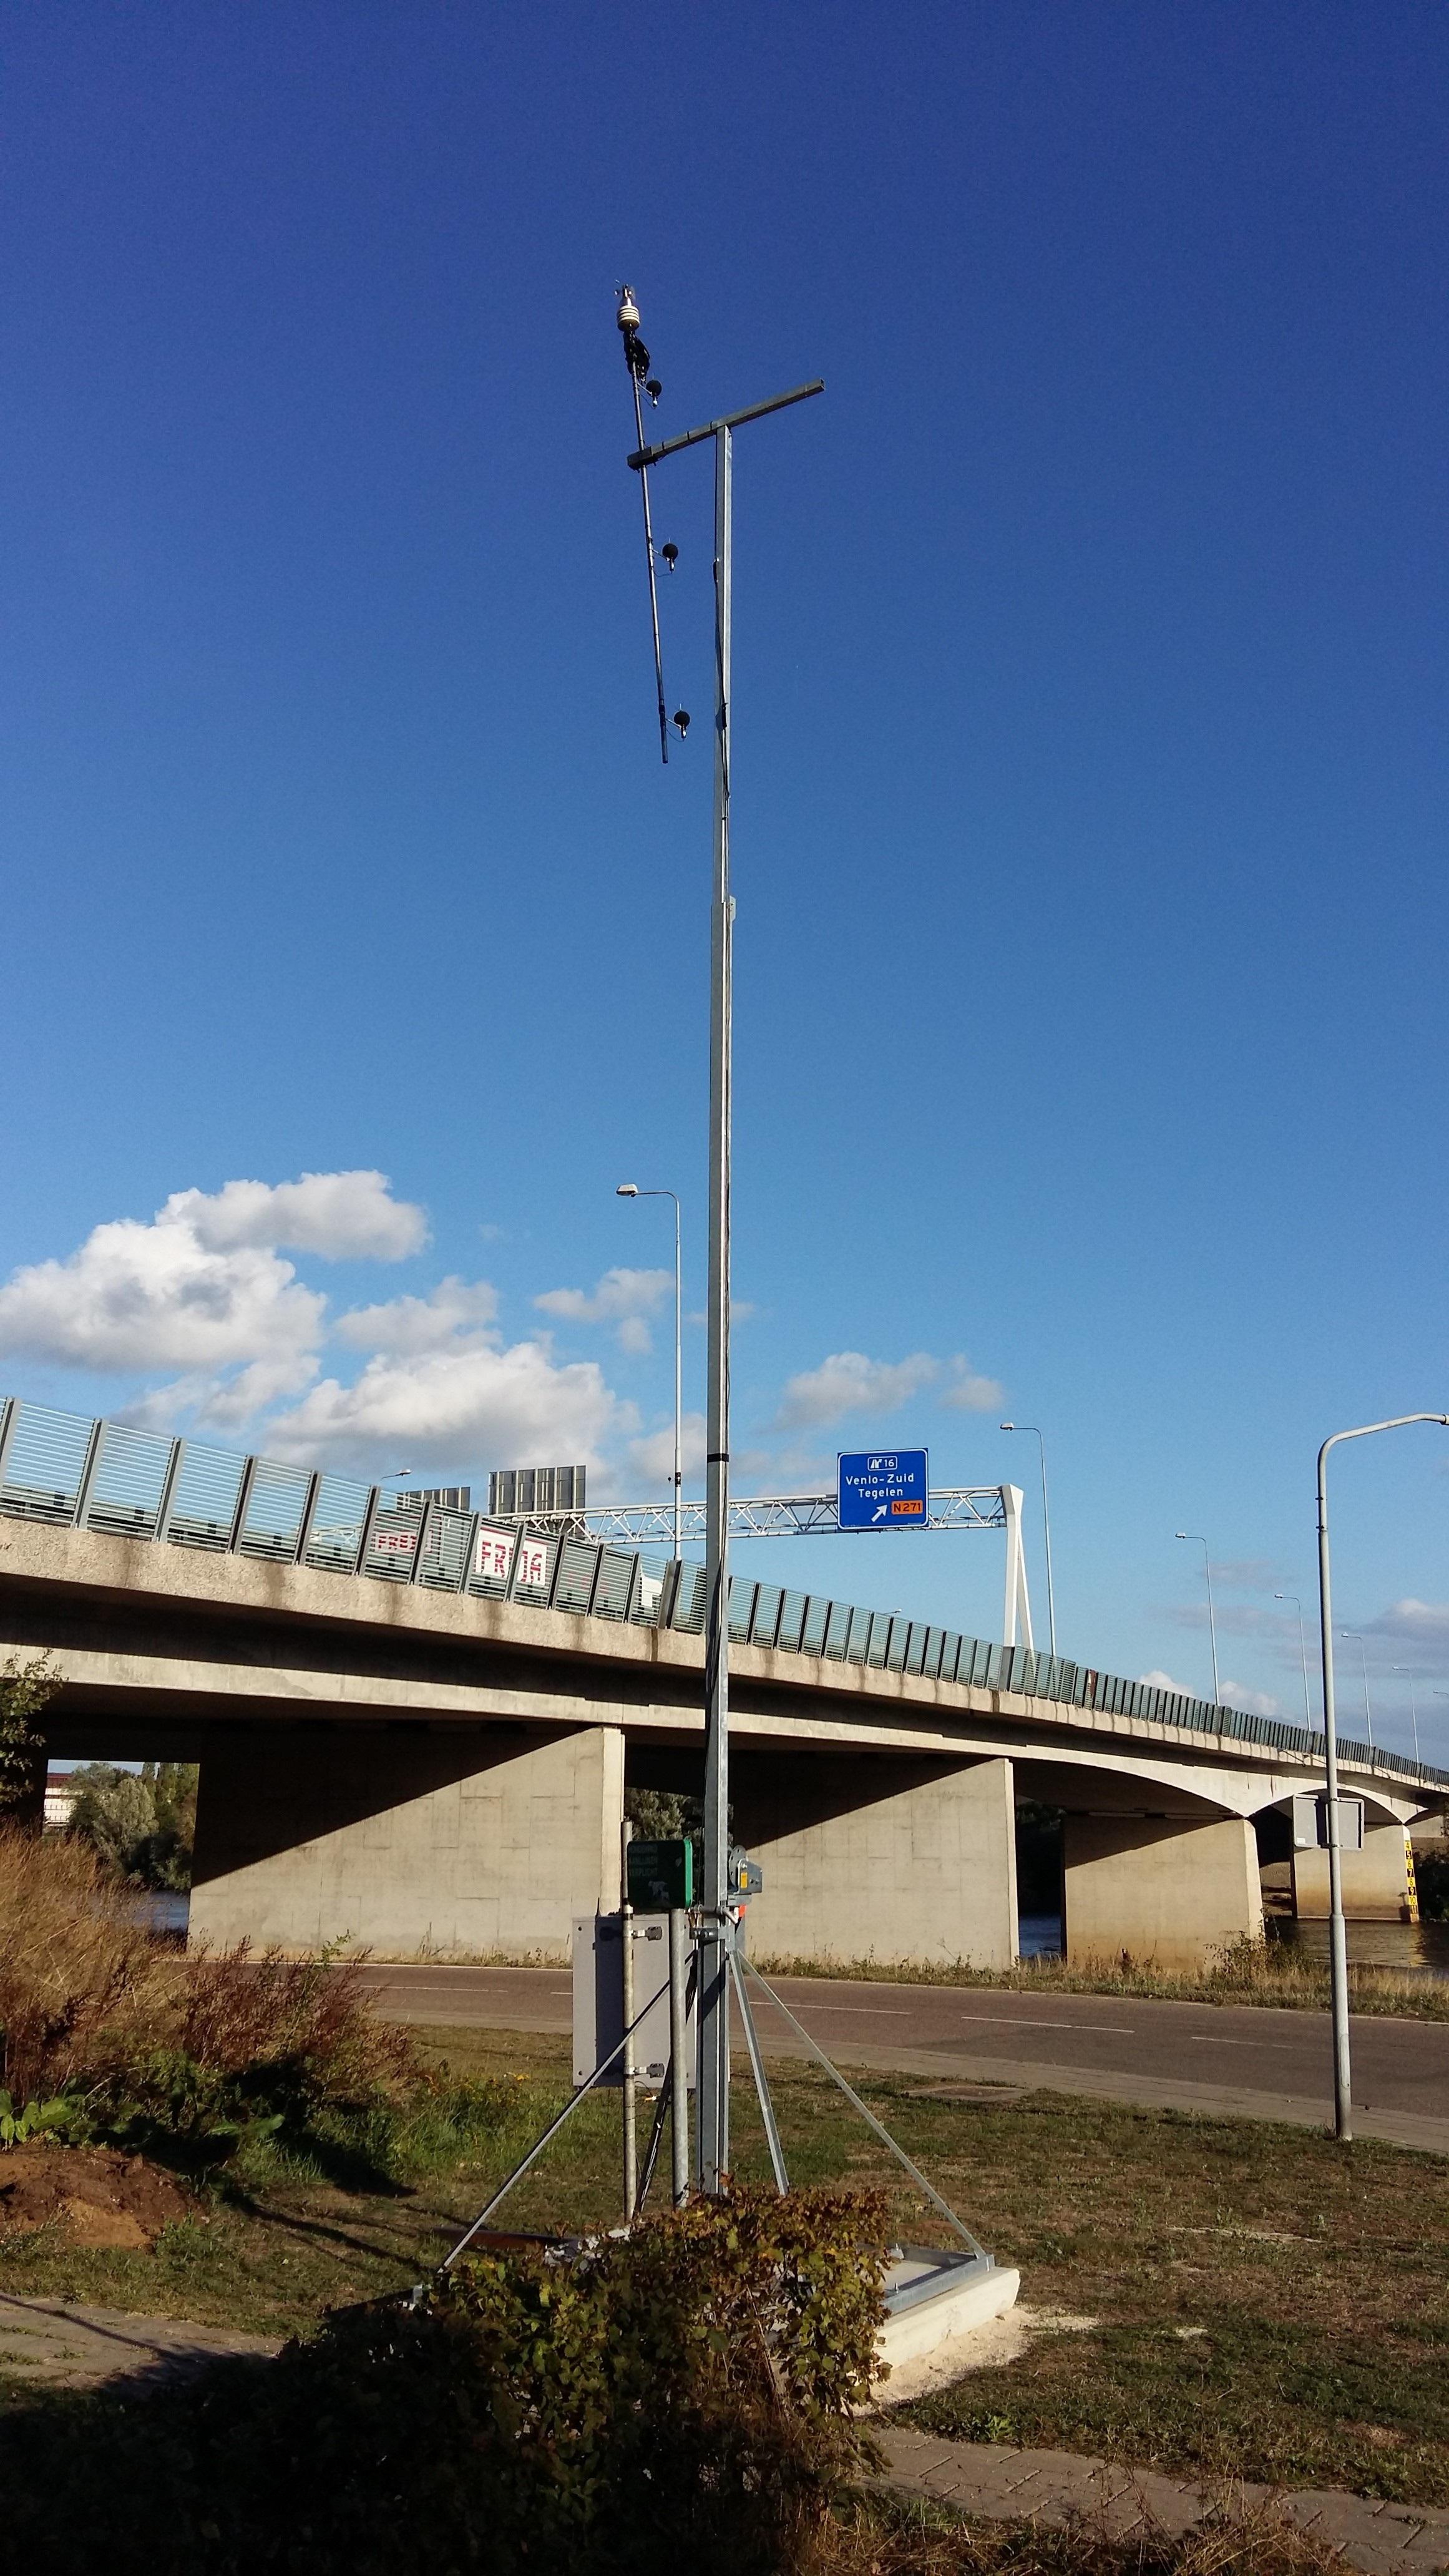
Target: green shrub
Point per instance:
(1431, 1877)
(675, 2399)
(36, 2119)
(26, 1691)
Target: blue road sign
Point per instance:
(882, 1489)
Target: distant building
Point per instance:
(62, 1789)
(449, 1498)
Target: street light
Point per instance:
(1337, 1944)
(1302, 1651)
(1199, 1541)
(1046, 1522)
(631, 1190)
(1368, 1708)
(1413, 1705)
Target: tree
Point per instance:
(26, 1691)
(141, 1822)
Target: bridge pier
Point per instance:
(449, 1840)
(1167, 1888)
(887, 1858)
(1376, 1881)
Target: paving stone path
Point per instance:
(999, 2485)
(50, 2343)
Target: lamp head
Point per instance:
(627, 1190)
(1006, 1426)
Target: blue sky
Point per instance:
(1090, 660)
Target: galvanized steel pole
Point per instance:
(1337, 1940)
(629, 2079)
(678, 1381)
(712, 2113)
(678, 2041)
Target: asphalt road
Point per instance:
(1235, 2059)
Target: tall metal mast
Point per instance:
(717, 1928)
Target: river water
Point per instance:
(1421, 1948)
(161, 1910)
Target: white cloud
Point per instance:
(452, 1407)
(1255, 1703)
(626, 1298)
(202, 1288)
(456, 1309)
(619, 1293)
(848, 1382)
(1421, 1627)
(156, 1296)
(1239, 1619)
(970, 1393)
(344, 1216)
(1248, 1574)
(1230, 1695)
(652, 1457)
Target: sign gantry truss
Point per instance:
(949, 1507)
(761, 1516)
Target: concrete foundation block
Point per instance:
(1168, 1889)
(454, 1842)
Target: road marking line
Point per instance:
(1035, 2021)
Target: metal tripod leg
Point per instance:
(651, 2152)
(871, 2122)
(757, 2069)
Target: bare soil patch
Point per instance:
(92, 2195)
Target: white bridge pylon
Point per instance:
(951, 1507)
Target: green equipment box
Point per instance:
(661, 1876)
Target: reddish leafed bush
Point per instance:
(240, 2012)
(90, 2001)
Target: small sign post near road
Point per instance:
(884, 1489)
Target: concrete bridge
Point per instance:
(415, 1727)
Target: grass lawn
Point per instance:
(1267, 2304)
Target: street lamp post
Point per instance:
(1046, 1522)
(1302, 1652)
(1337, 1942)
(631, 1190)
(1199, 1541)
(712, 2116)
(1368, 1706)
(1408, 1670)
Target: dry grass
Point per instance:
(80, 1980)
(86, 1993)
(1273, 1973)
(875, 2537)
